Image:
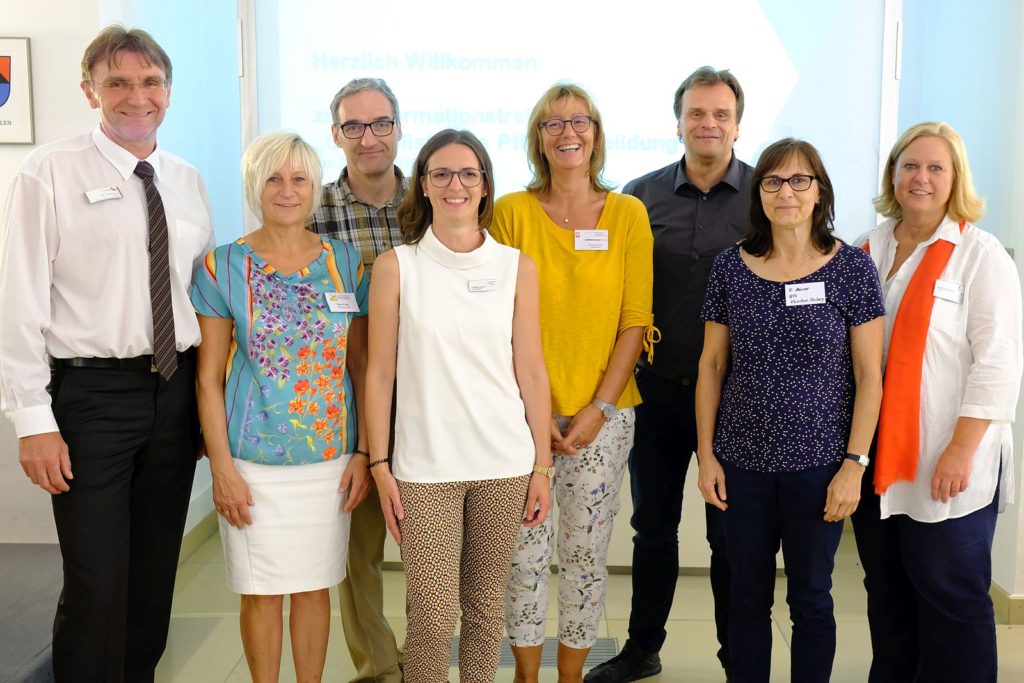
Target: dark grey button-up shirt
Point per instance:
(690, 229)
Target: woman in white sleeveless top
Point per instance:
(456, 319)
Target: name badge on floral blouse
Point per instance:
(805, 294)
(342, 302)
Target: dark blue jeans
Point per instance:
(929, 609)
(766, 509)
(666, 437)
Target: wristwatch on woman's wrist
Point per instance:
(861, 459)
(546, 471)
(607, 409)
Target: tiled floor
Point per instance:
(205, 646)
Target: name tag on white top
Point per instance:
(102, 194)
(342, 302)
(591, 240)
(486, 285)
(949, 290)
(805, 294)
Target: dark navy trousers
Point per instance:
(766, 510)
(666, 438)
(929, 609)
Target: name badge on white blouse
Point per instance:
(591, 240)
(805, 294)
(486, 285)
(949, 290)
(102, 194)
(342, 302)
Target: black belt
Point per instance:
(136, 363)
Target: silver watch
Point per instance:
(607, 409)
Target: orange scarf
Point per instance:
(899, 424)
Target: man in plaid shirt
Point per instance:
(359, 208)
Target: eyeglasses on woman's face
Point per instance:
(442, 177)
(799, 182)
(580, 124)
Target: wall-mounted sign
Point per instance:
(15, 92)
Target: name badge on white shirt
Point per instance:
(591, 240)
(102, 194)
(805, 294)
(949, 290)
(487, 285)
(342, 302)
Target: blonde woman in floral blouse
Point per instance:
(281, 366)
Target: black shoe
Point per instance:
(631, 664)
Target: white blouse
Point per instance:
(460, 416)
(972, 365)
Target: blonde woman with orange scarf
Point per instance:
(943, 467)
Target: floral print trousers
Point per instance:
(587, 495)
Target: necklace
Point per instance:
(789, 274)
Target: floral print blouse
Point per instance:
(288, 398)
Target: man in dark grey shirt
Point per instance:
(697, 206)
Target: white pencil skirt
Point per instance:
(298, 540)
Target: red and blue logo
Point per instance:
(5, 80)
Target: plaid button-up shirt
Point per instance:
(369, 229)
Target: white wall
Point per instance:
(1008, 549)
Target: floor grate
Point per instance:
(603, 650)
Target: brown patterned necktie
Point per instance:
(165, 357)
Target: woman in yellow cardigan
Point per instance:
(593, 250)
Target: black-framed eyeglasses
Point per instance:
(799, 182)
(122, 85)
(442, 177)
(380, 128)
(580, 124)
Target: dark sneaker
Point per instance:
(631, 664)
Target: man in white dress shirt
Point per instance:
(97, 360)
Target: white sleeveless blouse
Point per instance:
(460, 416)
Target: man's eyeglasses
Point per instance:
(580, 124)
(442, 177)
(798, 183)
(121, 85)
(380, 128)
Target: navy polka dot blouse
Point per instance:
(787, 400)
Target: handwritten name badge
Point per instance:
(805, 294)
(102, 194)
(591, 240)
(949, 290)
(487, 285)
(342, 302)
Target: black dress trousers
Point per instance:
(132, 439)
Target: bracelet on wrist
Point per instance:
(379, 462)
(360, 451)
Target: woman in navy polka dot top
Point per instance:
(788, 393)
